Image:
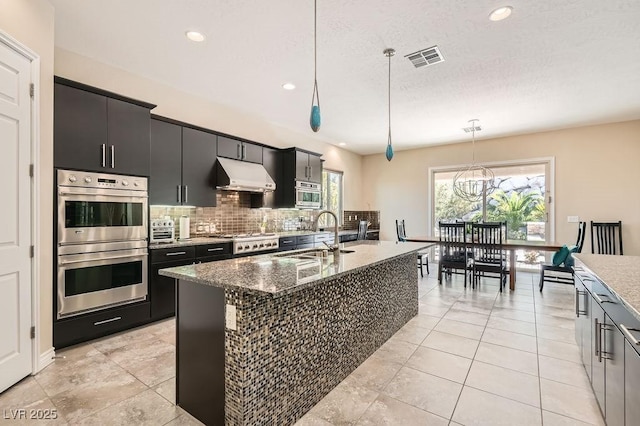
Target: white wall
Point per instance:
(597, 177)
(195, 110)
(31, 23)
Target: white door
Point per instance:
(15, 217)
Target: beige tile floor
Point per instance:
(471, 357)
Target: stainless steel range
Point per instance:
(253, 243)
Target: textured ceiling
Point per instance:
(552, 64)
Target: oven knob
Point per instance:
(88, 179)
(261, 245)
(135, 183)
(239, 247)
(246, 247)
(72, 178)
(255, 246)
(267, 245)
(125, 182)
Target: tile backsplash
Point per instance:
(233, 215)
(351, 218)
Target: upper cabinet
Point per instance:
(182, 165)
(308, 165)
(99, 131)
(239, 150)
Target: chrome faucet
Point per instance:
(335, 248)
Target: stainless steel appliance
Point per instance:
(95, 207)
(163, 231)
(308, 195)
(102, 241)
(243, 176)
(254, 244)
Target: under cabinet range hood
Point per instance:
(234, 175)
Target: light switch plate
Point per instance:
(573, 219)
(231, 317)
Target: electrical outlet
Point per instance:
(231, 317)
(573, 219)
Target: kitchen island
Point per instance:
(262, 339)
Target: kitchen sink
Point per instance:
(310, 254)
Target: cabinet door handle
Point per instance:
(238, 155)
(627, 333)
(310, 171)
(113, 156)
(599, 300)
(287, 241)
(216, 249)
(104, 155)
(244, 152)
(577, 303)
(596, 326)
(186, 193)
(179, 193)
(107, 320)
(176, 253)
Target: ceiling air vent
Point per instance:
(470, 129)
(424, 57)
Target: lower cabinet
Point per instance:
(632, 381)
(162, 290)
(609, 357)
(78, 329)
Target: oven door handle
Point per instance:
(132, 257)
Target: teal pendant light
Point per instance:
(389, 153)
(314, 119)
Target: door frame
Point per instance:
(37, 362)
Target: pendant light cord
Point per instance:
(389, 97)
(315, 95)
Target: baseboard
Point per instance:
(45, 359)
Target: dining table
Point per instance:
(509, 245)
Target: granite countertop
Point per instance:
(621, 274)
(278, 274)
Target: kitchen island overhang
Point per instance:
(263, 339)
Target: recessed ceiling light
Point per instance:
(342, 144)
(288, 86)
(195, 36)
(501, 13)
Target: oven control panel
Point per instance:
(255, 244)
(77, 179)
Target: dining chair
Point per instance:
(454, 255)
(423, 255)
(562, 273)
(489, 258)
(363, 226)
(606, 237)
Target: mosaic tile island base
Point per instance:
(300, 326)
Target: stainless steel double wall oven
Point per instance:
(102, 241)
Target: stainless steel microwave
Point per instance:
(308, 195)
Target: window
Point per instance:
(331, 195)
(521, 199)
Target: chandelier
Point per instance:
(475, 181)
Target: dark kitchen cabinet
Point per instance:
(181, 166)
(308, 167)
(239, 150)
(85, 327)
(287, 243)
(270, 163)
(162, 290)
(198, 159)
(99, 131)
(295, 165)
(165, 174)
(632, 381)
(583, 324)
(597, 364)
